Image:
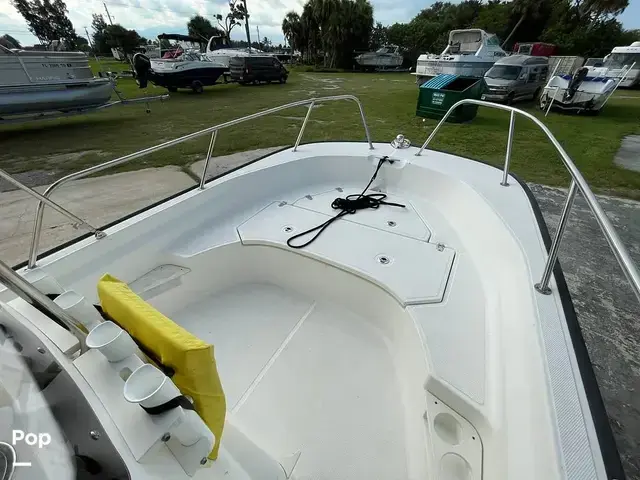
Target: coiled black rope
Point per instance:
(349, 205)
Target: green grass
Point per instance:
(66, 145)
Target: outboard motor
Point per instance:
(141, 69)
(575, 82)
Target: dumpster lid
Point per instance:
(440, 81)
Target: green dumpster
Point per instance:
(442, 91)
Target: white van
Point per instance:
(516, 77)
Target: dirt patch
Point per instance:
(42, 170)
(628, 155)
(300, 119)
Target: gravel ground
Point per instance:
(606, 306)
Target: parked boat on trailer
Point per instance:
(469, 53)
(578, 93)
(386, 58)
(182, 66)
(38, 84)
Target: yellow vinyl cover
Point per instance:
(192, 359)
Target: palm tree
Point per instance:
(524, 8)
(291, 29)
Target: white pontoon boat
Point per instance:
(47, 84)
(470, 53)
(378, 311)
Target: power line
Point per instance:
(192, 12)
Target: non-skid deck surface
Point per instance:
(305, 376)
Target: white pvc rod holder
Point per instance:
(112, 341)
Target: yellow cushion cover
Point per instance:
(192, 359)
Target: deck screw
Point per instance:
(391, 223)
(203, 461)
(440, 247)
(41, 350)
(166, 437)
(288, 229)
(383, 260)
(94, 434)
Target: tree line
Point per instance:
(47, 20)
(330, 31)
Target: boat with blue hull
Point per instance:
(183, 66)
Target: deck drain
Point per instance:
(383, 259)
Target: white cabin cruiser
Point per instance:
(469, 53)
(219, 51)
(385, 58)
(379, 311)
(622, 63)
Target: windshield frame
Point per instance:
(501, 71)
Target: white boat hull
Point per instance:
(373, 60)
(589, 96)
(61, 96)
(429, 68)
(403, 343)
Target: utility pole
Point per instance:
(246, 23)
(105, 7)
(88, 37)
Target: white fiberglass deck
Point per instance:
(305, 376)
(405, 343)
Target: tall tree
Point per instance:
(119, 37)
(378, 36)
(292, 29)
(200, 27)
(524, 8)
(47, 20)
(237, 14)
(100, 44)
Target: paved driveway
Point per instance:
(608, 311)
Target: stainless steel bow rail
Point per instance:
(577, 183)
(44, 199)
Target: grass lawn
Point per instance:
(68, 144)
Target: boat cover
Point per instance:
(192, 359)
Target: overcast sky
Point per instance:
(151, 17)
